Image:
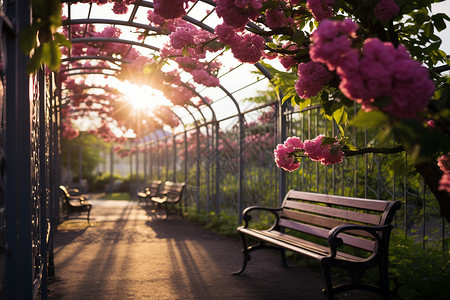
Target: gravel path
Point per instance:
(128, 254)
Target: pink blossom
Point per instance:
(331, 41)
(183, 36)
(203, 77)
(154, 18)
(431, 123)
(287, 61)
(226, 34)
(249, 49)
(311, 78)
(294, 143)
(320, 9)
(120, 8)
(313, 148)
(275, 18)
(170, 9)
(285, 159)
(332, 154)
(444, 183)
(444, 163)
(386, 10)
(237, 13)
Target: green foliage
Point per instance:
(41, 39)
(418, 273)
(224, 223)
(116, 196)
(89, 146)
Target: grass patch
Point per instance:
(116, 196)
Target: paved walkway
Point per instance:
(127, 254)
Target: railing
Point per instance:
(211, 169)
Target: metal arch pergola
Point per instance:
(200, 23)
(29, 206)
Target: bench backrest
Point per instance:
(315, 214)
(65, 192)
(155, 188)
(174, 191)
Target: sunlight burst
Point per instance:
(143, 97)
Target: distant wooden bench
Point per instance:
(153, 190)
(75, 204)
(170, 196)
(314, 224)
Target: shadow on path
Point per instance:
(128, 255)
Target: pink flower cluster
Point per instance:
(386, 10)
(312, 76)
(320, 9)
(197, 41)
(286, 154)
(332, 41)
(247, 48)
(120, 7)
(276, 18)
(170, 9)
(237, 13)
(444, 165)
(379, 70)
(326, 154)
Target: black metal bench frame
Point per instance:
(338, 221)
(153, 190)
(75, 204)
(170, 197)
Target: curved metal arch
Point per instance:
(97, 57)
(88, 68)
(112, 22)
(113, 40)
(263, 70)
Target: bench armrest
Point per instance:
(247, 217)
(334, 241)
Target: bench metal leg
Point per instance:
(246, 255)
(283, 257)
(88, 216)
(328, 290)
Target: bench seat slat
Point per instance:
(334, 212)
(319, 221)
(323, 233)
(377, 205)
(296, 244)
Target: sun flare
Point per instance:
(143, 97)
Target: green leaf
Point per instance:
(186, 51)
(304, 104)
(51, 55)
(27, 39)
(340, 116)
(328, 141)
(61, 40)
(299, 37)
(438, 21)
(35, 61)
(371, 119)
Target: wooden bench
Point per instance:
(343, 232)
(153, 190)
(171, 194)
(75, 204)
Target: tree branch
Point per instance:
(375, 150)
